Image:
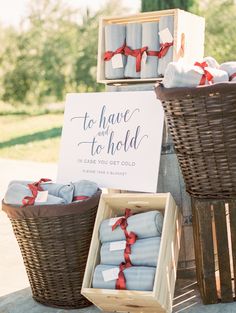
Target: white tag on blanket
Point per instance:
(144, 57)
(111, 274)
(113, 220)
(117, 245)
(165, 35)
(117, 61)
(42, 196)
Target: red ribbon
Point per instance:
(79, 198)
(207, 76)
(109, 54)
(137, 53)
(34, 188)
(121, 281)
(232, 76)
(164, 48)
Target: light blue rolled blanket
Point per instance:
(230, 68)
(179, 74)
(166, 22)
(150, 39)
(144, 252)
(211, 62)
(137, 278)
(16, 193)
(144, 225)
(85, 188)
(133, 41)
(114, 39)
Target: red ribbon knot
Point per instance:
(121, 281)
(164, 48)
(109, 54)
(34, 188)
(137, 53)
(206, 76)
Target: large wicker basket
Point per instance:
(54, 241)
(202, 123)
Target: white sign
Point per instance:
(113, 139)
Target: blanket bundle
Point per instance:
(44, 192)
(206, 72)
(138, 50)
(129, 252)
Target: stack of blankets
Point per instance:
(205, 72)
(45, 192)
(130, 247)
(138, 49)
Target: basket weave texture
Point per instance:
(202, 123)
(55, 249)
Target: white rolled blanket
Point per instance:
(230, 68)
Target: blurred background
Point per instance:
(49, 48)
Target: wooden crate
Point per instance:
(160, 299)
(188, 38)
(214, 225)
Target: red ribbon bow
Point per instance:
(207, 76)
(34, 188)
(137, 53)
(164, 48)
(231, 77)
(121, 281)
(109, 54)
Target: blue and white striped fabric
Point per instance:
(16, 193)
(143, 253)
(144, 225)
(150, 39)
(230, 68)
(85, 188)
(139, 278)
(166, 22)
(179, 74)
(114, 39)
(133, 41)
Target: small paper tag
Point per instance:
(113, 220)
(111, 274)
(117, 61)
(42, 196)
(165, 35)
(144, 57)
(117, 245)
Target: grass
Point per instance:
(33, 136)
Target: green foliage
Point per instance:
(155, 5)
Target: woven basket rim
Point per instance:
(53, 210)
(163, 93)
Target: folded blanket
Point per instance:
(16, 193)
(84, 188)
(179, 74)
(137, 278)
(230, 68)
(144, 225)
(133, 41)
(211, 62)
(150, 39)
(143, 253)
(114, 39)
(166, 22)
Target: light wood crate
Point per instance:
(160, 299)
(189, 34)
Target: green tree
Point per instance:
(155, 5)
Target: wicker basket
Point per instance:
(202, 123)
(54, 242)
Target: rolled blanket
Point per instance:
(58, 190)
(84, 189)
(137, 278)
(144, 225)
(211, 62)
(178, 74)
(114, 39)
(17, 192)
(166, 22)
(230, 68)
(133, 41)
(150, 39)
(144, 252)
